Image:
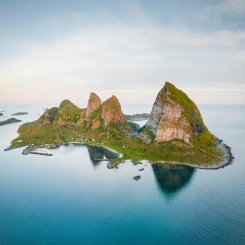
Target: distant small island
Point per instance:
(20, 113)
(8, 121)
(138, 117)
(175, 131)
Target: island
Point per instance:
(138, 117)
(20, 113)
(175, 132)
(8, 121)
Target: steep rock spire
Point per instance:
(94, 103)
(112, 112)
(174, 116)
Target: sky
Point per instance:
(52, 50)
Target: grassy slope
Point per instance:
(114, 137)
(39, 133)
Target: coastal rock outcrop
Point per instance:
(174, 116)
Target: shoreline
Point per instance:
(228, 157)
(104, 146)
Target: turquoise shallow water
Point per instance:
(71, 199)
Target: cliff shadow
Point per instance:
(97, 154)
(171, 179)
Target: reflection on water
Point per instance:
(56, 200)
(99, 153)
(172, 178)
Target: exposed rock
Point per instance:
(94, 103)
(137, 177)
(174, 116)
(66, 122)
(112, 112)
(1, 114)
(95, 124)
(136, 162)
(8, 148)
(172, 124)
(25, 151)
(110, 165)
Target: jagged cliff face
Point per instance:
(173, 116)
(97, 114)
(112, 112)
(106, 112)
(94, 103)
(172, 125)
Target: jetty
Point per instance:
(43, 152)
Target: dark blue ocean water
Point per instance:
(70, 199)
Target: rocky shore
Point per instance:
(32, 148)
(227, 159)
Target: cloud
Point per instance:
(235, 7)
(119, 58)
(222, 8)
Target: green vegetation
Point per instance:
(180, 96)
(130, 146)
(68, 123)
(173, 151)
(68, 111)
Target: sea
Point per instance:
(71, 198)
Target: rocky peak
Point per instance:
(94, 103)
(112, 112)
(174, 116)
(67, 113)
(65, 103)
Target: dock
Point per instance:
(41, 152)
